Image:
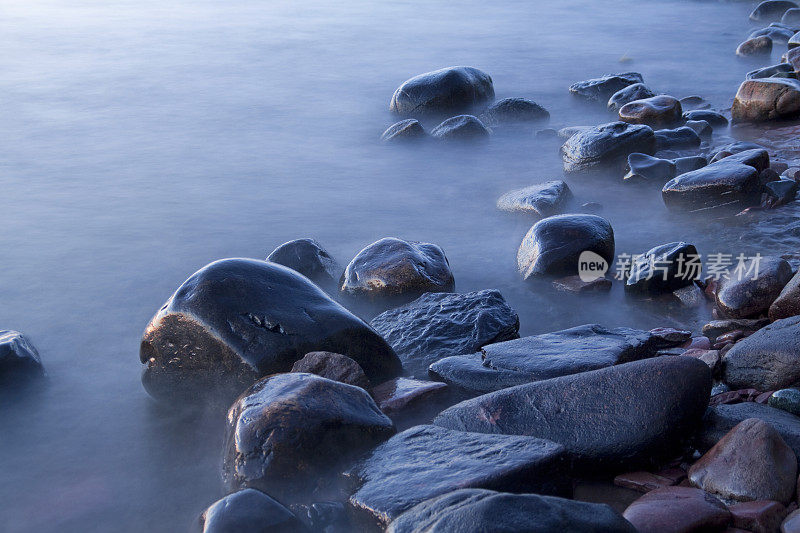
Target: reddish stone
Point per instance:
(678, 510)
(698, 343)
(673, 473)
(642, 481)
(763, 398)
(731, 336)
(735, 396)
(672, 334)
(399, 394)
(709, 357)
(763, 516)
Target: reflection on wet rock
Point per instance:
(604, 87)
(405, 130)
(607, 144)
(309, 258)
(542, 200)
(448, 90)
(514, 111)
(248, 510)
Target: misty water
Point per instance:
(142, 140)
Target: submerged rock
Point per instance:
(236, 320)
(779, 33)
(394, 267)
(717, 120)
(769, 359)
(477, 510)
(405, 130)
(543, 199)
(440, 325)
(752, 287)
(764, 99)
(787, 303)
(781, 70)
(648, 169)
(605, 418)
(755, 46)
(663, 269)
(656, 111)
(514, 111)
(637, 91)
(447, 90)
(461, 128)
(678, 138)
(602, 88)
(780, 192)
(19, 359)
(553, 245)
(607, 144)
(678, 509)
(309, 258)
(791, 17)
(334, 366)
(248, 510)
(428, 461)
(702, 128)
(771, 10)
(289, 430)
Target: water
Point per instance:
(142, 140)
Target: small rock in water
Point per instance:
(19, 360)
(779, 33)
(248, 510)
(793, 57)
(448, 90)
(793, 42)
(791, 17)
(569, 131)
(752, 287)
(693, 102)
(734, 148)
(751, 462)
(543, 199)
(780, 192)
(788, 301)
(604, 87)
(309, 258)
(678, 509)
(554, 245)
(683, 137)
(690, 296)
(403, 396)
(405, 130)
(657, 111)
(461, 128)
(787, 400)
(716, 120)
(637, 91)
(333, 366)
(642, 481)
(663, 269)
(607, 144)
(717, 328)
(771, 10)
(473, 510)
(577, 285)
(396, 268)
(763, 516)
(769, 359)
(779, 70)
(687, 164)
(288, 430)
(765, 99)
(514, 111)
(702, 128)
(755, 46)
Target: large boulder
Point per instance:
(397, 268)
(759, 100)
(514, 111)
(732, 181)
(546, 356)
(605, 418)
(663, 269)
(444, 91)
(720, 419)
(752, 287)
(771, 10)
(19, 359)
(236, 320)
(750, 463)
(289, 431)
(788, 301)
(631, 93)
(461, 128)
(541, 200)
(604, 145)
(309, 258)
(427, 461)
(250, 511)
(438, 325)
(603, 87)
(477, 511)
(553, 246)
(678, 510)
(769, 359)
(656, 111)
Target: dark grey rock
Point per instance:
(19, 359)
(771, 10)
(309, 258)
(776, 32)
(717, 120)
(735, 147)
(716, 328)
(755, 46)
(720, 419)
(662, 269)
(644, 168)
(543, 199)
(250, 511)
(693, 102)
(602, 88)
(787, 304)
(769, 359)
(438, 325)
(447, 90)
(660, 111)
(405, 130)
(637, 91)
(333, 366)
(781, 69)
(678, 138)
(787, 400)
(514, 111)
(780, 192)
(750, 290)
(791, 17)
(461, 128)
(702, 128)
(606, 145)
(687, 164)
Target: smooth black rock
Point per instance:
(604, 87)
(687, 164)
(250, 511)
(771, 9)
(477, 510)
(662, 269)
(768, 359)
(461, 128)
(645, 168)
(427, 461)
(717, 120)
(543, 200)
(732, 181)
(553, 245)
(541, 357)
(394, 267)
(733, 148)
(289, 431)
(781, 192)
(683, 137)
(447, 90)
(749, 290)
(309, 258)
(236, 320)
(405, 130)
(514, 111)
(626, 415)
(637, 91)
(720, 419)
(607, 144)
(769, 72)
(19, 359)
(702, 128)
(438, 325)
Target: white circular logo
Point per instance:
(591, 266)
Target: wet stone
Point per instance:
(395, 268)
(606, 145)
(448, 90)
(678, 509)
(693, 102)
(325, 517)
(648, 169)
(751, 462)
(791, 17)
(576, 285)
(755, 46)
(763, 516)
(514, 111)
(780, 192)
(642, 481)
(405, 130)
(750, 291)
(542, 200)
(19, 359)
(288, 431)
(787, 400)
(780, 70)
(248, 510)
(769, 359)
(461, 128)
(428, 461)
(733, 148)
(309, 258)
(787, 304)
(236, 320)
(777, 32)
(717, 120)
(663, 269)
(553, 246)
(605, 418)
(716, 328)
(637, 91)
(403, 397)
(604, 87)
(688, 164)
(657, 111)
(440, 325)
(765, 99)
(702, 128)
(771, 10)
(333, 366)
(720, 419)
(473, 510)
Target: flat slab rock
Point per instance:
(609, 417)
(472, 510)
(438, 325)
(539, 357)
(720, 419)
(428, 461)
(678, 509)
